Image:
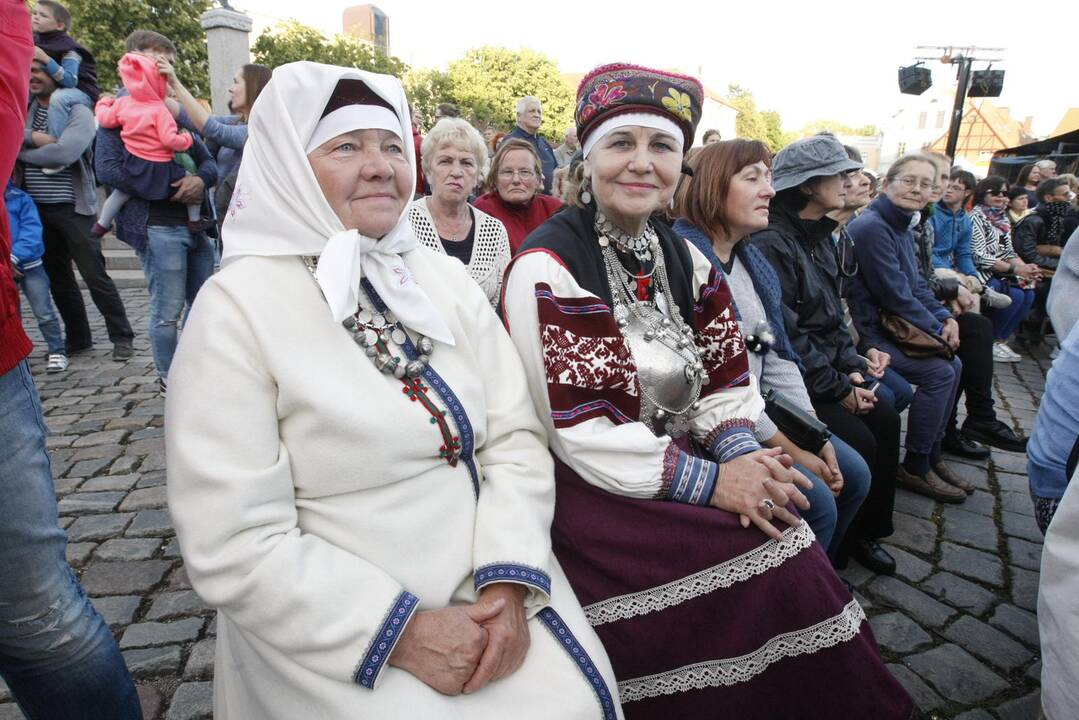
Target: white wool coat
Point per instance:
(314, 512)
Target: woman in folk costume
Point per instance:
(676, 530)
(356, 475)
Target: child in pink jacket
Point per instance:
(150, 137)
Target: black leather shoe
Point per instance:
(994, 433)
(71, 349)
(873, 557)
(955, 444)
(122, 350)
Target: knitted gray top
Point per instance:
(772, 372)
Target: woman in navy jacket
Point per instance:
(889, 281)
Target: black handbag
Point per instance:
(804, 430)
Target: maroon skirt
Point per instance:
(702, 617)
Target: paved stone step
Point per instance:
(121, 260)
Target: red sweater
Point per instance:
(519, 220)
(146, 126)
(16, 49)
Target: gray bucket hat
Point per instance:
(817, 156)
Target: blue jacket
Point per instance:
(951, 246)
(765, 282)
(27, 243)
(888, 277)
(1057, 424)
(545, 152)
(132, 218)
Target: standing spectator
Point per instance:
(152, 140)
(1063, 309)
(225, 135)
(513, 196)
(57, 656)
(1018, 204)
(1058, 612)
(998, 265)
(564, 152)
(1056, 432)
(67, 62)
(810, 177)
(443, 110)
(1029, 177)
(710, 136)
(889, 281)
(529, 119)
(67, 202)
(175, 260)
(27, 247)
(1047, 168)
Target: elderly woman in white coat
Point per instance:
(358, 480)
(454, 159)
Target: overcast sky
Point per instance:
(834, 60)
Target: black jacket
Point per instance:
(804, 258)
(1031, 231)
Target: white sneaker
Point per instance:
(996, 300)
(162, 386)
(57, 363)
(1003, 353)
(51, 170)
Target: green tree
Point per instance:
(292, 41)
(754, 124)
(103, 25)
(488, 82)
(836, 128)
(426, 88)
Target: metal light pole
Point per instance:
(964, 58)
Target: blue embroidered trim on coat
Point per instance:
(580, 658)
(509, 572)
(731, 439)
(382, 643)
(591, 407)
(689, 479)
(435, 381)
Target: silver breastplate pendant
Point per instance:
(669, 369)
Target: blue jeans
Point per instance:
(60, 104)
(938, 382)
(176, 264)
(56, 654)
(894, 390)
(35, 285)
(829, 516)
(1006, 320)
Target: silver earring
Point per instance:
(584, 196)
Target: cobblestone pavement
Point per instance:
(956, 624)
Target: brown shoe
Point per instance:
(929, 485)
(945, 473)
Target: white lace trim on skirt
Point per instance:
(730, 671)
(760, 559)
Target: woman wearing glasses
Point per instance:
(514, 194)
(999, 267)
(889, 283)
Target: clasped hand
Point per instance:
(462, 648)
(748, 480)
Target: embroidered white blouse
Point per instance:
(316, 514)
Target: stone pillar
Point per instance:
(228, 48)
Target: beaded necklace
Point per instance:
(373, 328)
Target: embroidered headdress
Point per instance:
(613, 90)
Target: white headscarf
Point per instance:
(278, 207)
